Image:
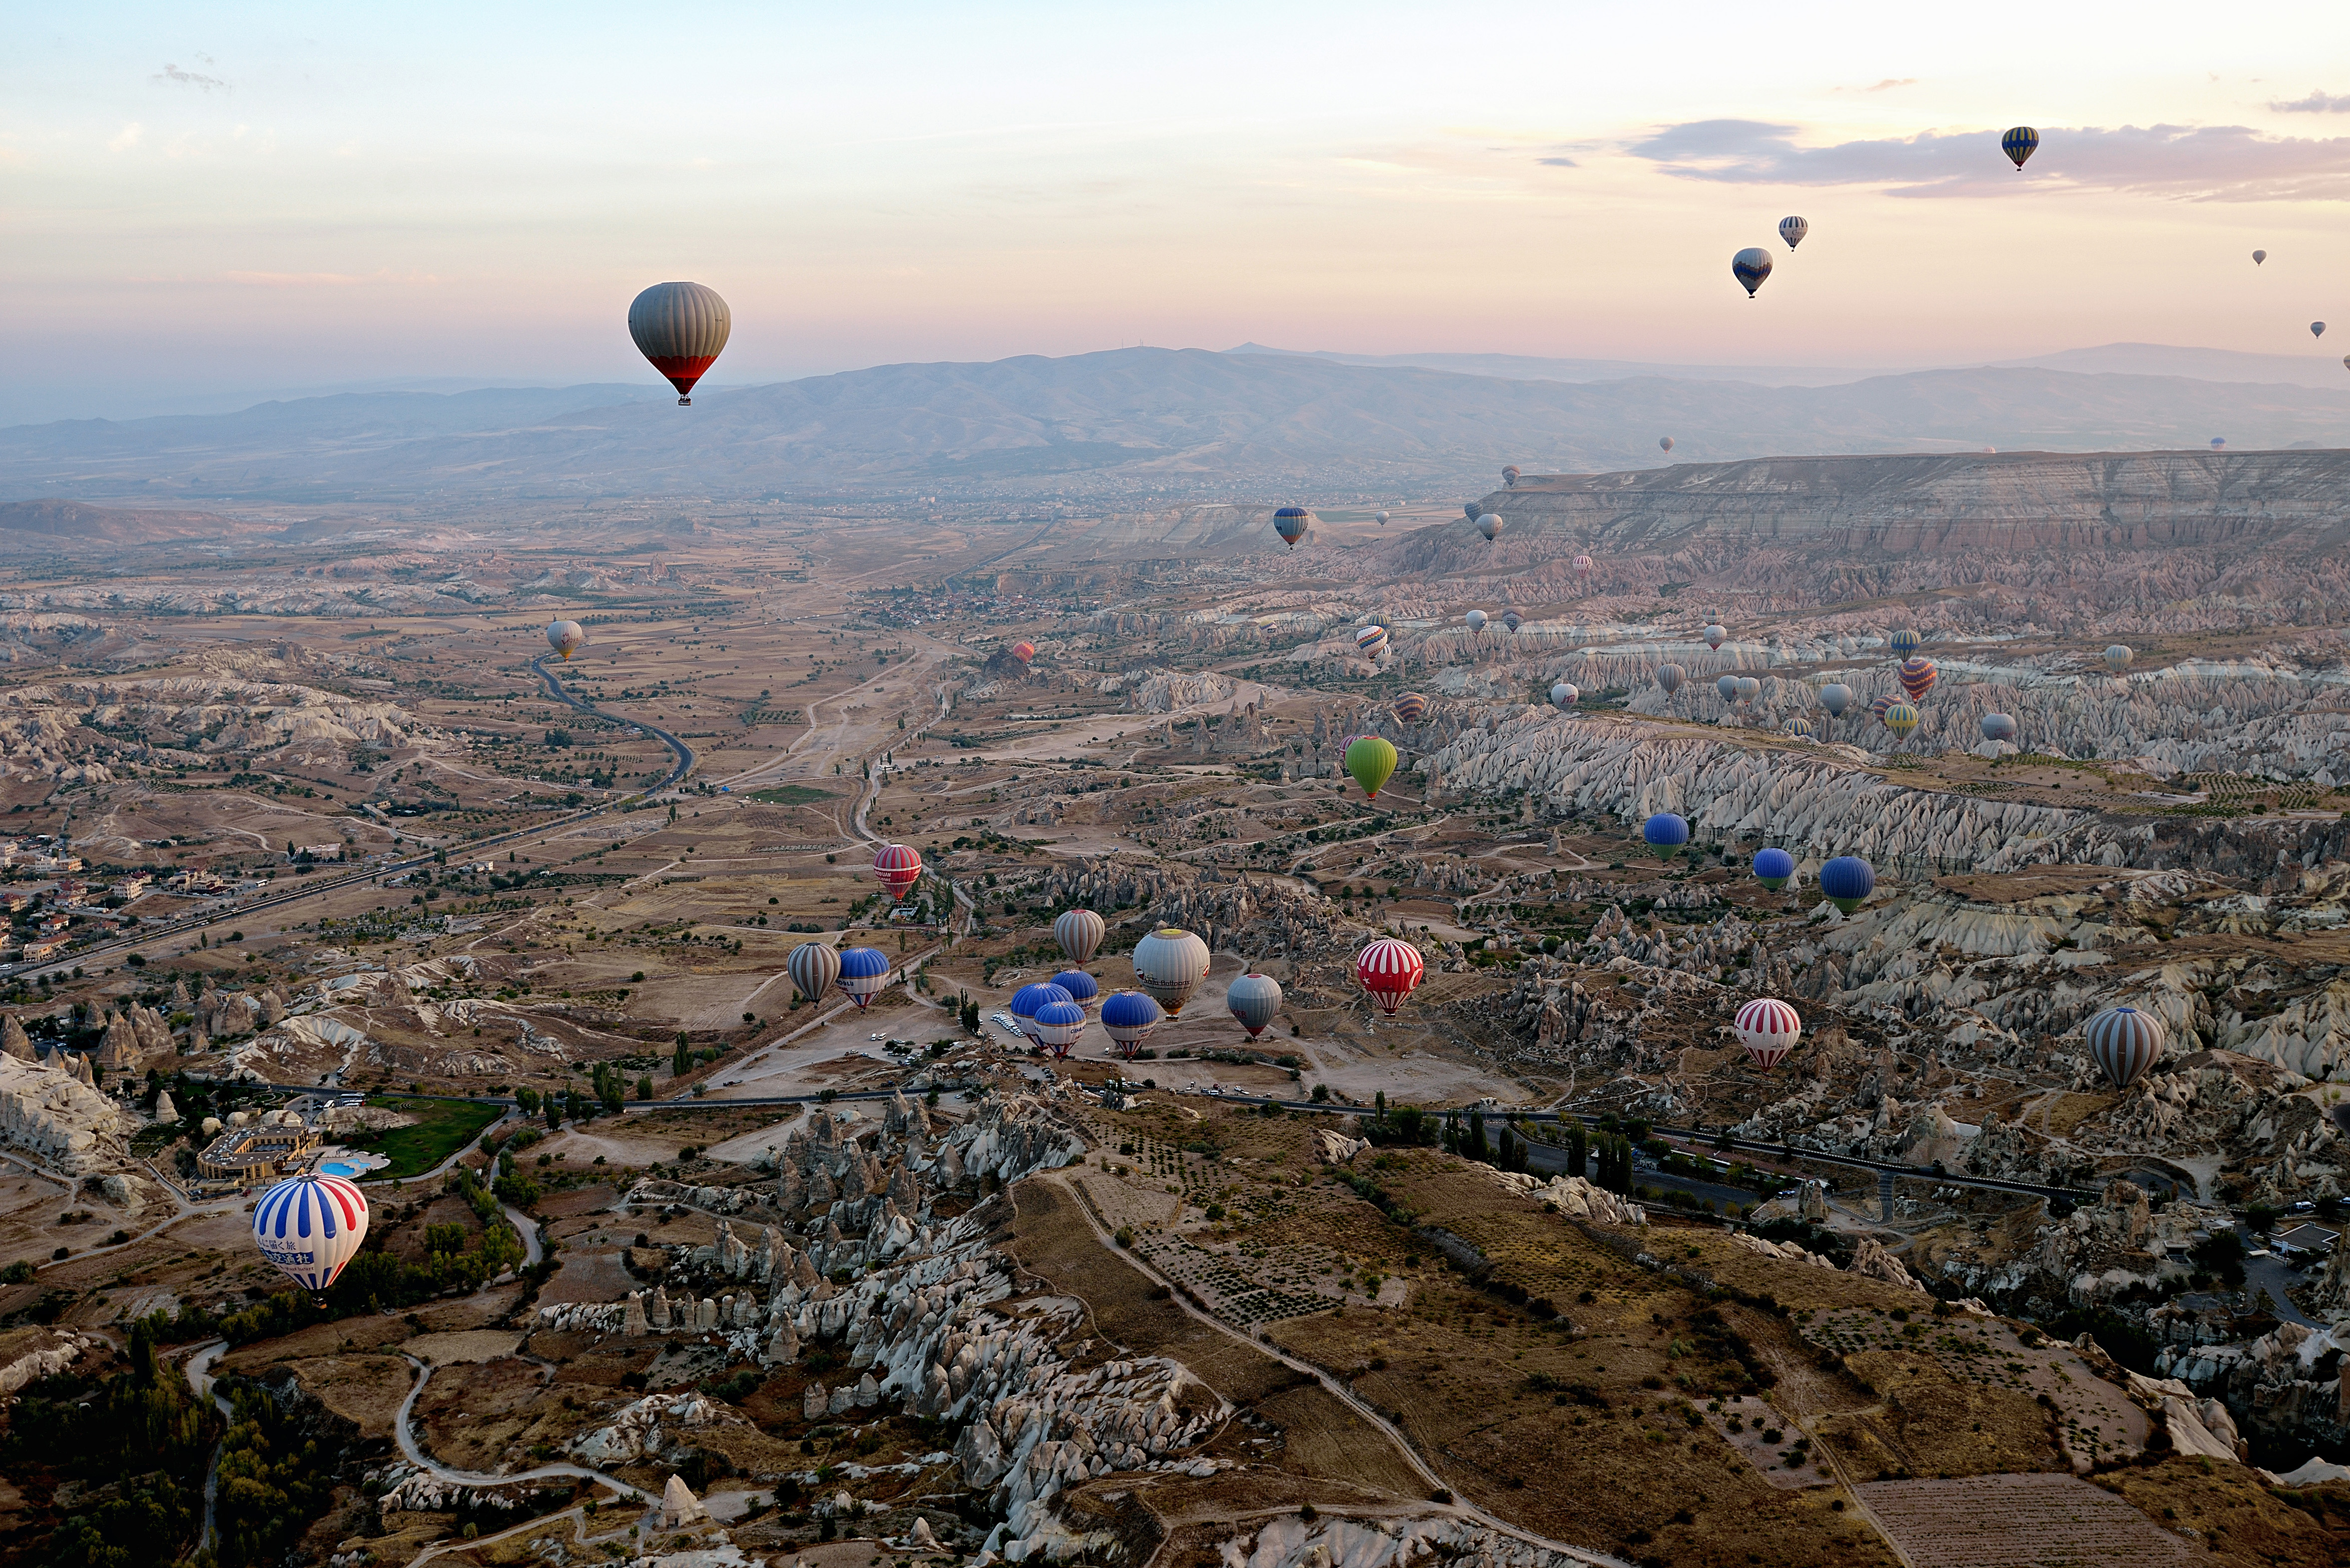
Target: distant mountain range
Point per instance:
(1134, 422)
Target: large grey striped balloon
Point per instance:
(814, 967)
(2125, 1042)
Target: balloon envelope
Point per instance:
(1029, 999)
(1715, 635)
(1291, 522)
(1998, 727)
(1390, 970)
(1666, 443)
(682, 327)
(2258, 256)
(1254, 999)
(1371, 642)
(1750, 267)
(1793, 231)
(1670, 677)
(1772, 867)
(814, 967)
(2318, 329)
(1836, 698)
(1903, 642)
(1128, 1017)
(1490, 525)
(2117, 657)
(2020, 142)
(1917, 677)
(1169, 965)
(898, 866)
(1665, 833)
(2124, 1043)
(1564, 695)
(309, 1228)
(1371, 760)
(1845, 881)
(565, 637)
(1583, 565)
(1079, 932)
(1057, 1025)
(1901, 718)
(1768, 1029)
(1476, 619)
(1083, 989)
(1410, 708)
(1023, 651)
(1749, 689)
(1728, 687)
(863, 973)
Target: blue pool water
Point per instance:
(338, 1167)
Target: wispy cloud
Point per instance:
(2315, 103)
(127, 137)
(1887, 85)
(2210, 162)
(197, 79)
(1559, 163)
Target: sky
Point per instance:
(205, 203)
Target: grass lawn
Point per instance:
(442, 1129)
(791, 794)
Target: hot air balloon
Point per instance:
(309, 1227)
(2020, 143)
(1715, 635)
(565, 637)
(1371, 642)
(1083, 989)
(1670, 677)
(1057, 1026)
(1902, 718)
(1079, 932)
(1023, 651)
(813, 968)
(1476, 619)
(682, 327)
(1793, 231)
(1383, 519)
(1749, 689)
(1750, 267)
(2318, 329)
(1768, 1029)
(1372, 761)
(1772, 867)
(898, 866)
(1128, 1017)
(1664, 834)
(863, 973)
(1835, 697)
(2219, 444)
(1029, 999)
(1727, 686)
(1389, 972)
(1169, 965)
(1472, 509)
(1800, 727)
(1666, 443)
(1410, 708)
(1510, 477)
(2117, 657)
(1917, 677)
(2346, 362)
(1998, 727)
(1291, 522)
(1583, 566)
(1489, 524)
(1878, 706)
(1845, 881)
(2258, 256)
(1512, 620)
(1563, 696)
(2125, 1043)
(1903, 642)
(1254, 999)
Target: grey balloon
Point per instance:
(1836, 698)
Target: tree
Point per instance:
(1474, 1145)
(680, 1062)
(554, 1113)
(1578, 1149)
(645, 1087)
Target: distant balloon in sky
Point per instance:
(1670, 677)
(2117, 657)
(1023, 651)
(1490, 525)
(1383, 519)
(2219, 444)
(1665, 833)
(1902, 718)
(1254, 999)
(1512, 619)
(1772, 867)
(2020, 143)
(2318, 329)
(565, 637)
(1291, 522)
(1836, 698)
(1917, 677)
(1793, 231)
(2124, 1043)
(309, 1227)
(1476, 619)
(1410, 708)
(1563, 696)
(1749, 689)
(1998, 727)
(1372, 761)
(1715, 635)
(1666, 443)
(1750, 267)
(1583, 566)
(1728, 687)
(1510, 477)
(682, 327)
(1472, 509)
(1845, 881)
(1371, 642)
(1903, 642)
(2258, 256)
(1800, 727)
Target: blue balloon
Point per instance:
(1666, 833)
(1773, 866)
(1130, 1010)
(1029, 999)
(1846, 880)
(1078, 984)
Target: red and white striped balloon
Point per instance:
(900, 868)
(1390, 970)
(1768, 1029)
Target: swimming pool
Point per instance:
(341, 1167)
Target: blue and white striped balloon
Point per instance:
(2125, 1042)
(309, 1227)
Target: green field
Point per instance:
(791, 794)
(442, 1128)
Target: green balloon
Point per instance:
(1372, 760)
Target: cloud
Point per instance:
(171, 73)
(325, 279)
(1558, 163)
(127, 137)
(2209, 163)
(2315, 103)
(1891, 82)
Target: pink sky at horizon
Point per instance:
(261, 197)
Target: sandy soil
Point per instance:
(465, 1345)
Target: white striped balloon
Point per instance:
(814, 967)
(1768, 1029)
(309, 1228)
(1079, 932)
(2125, 1043)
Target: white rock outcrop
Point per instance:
(62, 1121)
